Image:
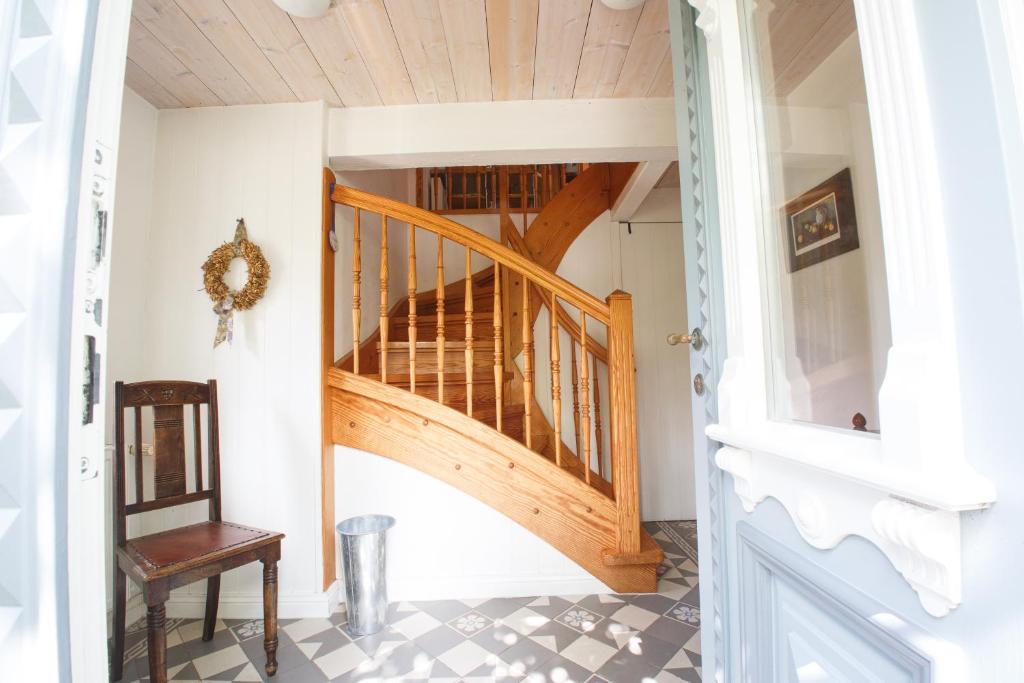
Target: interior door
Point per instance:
(652, 272)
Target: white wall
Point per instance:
(129, 266)
(212, 166)
(447, 544)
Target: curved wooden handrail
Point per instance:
(456, 232)
(564, 317)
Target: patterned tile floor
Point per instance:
(580, 638)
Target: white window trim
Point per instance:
(903, 491)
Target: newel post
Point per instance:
(622, 414)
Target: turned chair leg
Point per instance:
(117, 651)
(156, 619)
(212, 599)
(270, 614)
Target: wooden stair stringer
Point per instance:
(554, 504)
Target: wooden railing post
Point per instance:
(556, 381)
(384, 277)
(585, 406)
(527, 336)
(439, 291)
(356, 277)
(412, 318)
(622, 419)
(499, 368)
(468, 312)
(598, 434)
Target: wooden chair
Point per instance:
(163, 561)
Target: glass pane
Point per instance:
(827, 300)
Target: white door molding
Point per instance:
(903, 491)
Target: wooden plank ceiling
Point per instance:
(194, 53)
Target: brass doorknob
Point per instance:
(694, 339)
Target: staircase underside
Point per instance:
(552, 502)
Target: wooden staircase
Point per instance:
(443, 385)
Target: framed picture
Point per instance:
(821, 223)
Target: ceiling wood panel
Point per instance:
(609, 34)
(646, 52)
(810, 37)
(420, 35)
(275, 34)
(145, 85)
(465, 30)
(188, 53)
(332, 43)
(512, 39)
(150, 55)
(661, 86)
(561, 28)
(371, 29)
(222, 28)
(166, 20)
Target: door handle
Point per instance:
(695, 339)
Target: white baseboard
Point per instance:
(249, 605)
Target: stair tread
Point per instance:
(450, 344)
(483, 376)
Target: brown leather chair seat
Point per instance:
(189, 544)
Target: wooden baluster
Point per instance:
(522, 192)
(598, 435)
(356, 276)
(527, 363)
(384, 323)
(499, 369)
(575, 394)
(468, 308)
(585, 395)
(412, 308)
(440, 319)
(556, 381)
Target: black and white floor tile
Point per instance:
(645, 638)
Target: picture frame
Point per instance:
(821, 223)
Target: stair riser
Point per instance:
(426, 360)
(483, 301)
(427, 329)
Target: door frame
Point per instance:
(705, 310)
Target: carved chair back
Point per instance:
(169, 403)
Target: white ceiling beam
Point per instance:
(645, 176)
(479, 133)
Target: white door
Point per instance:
(45, 49)
(835, 469)
(651, 257)
(87, 518)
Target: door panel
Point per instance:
(653, 273)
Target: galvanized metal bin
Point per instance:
(363, 541)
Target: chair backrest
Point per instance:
(169, 471)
